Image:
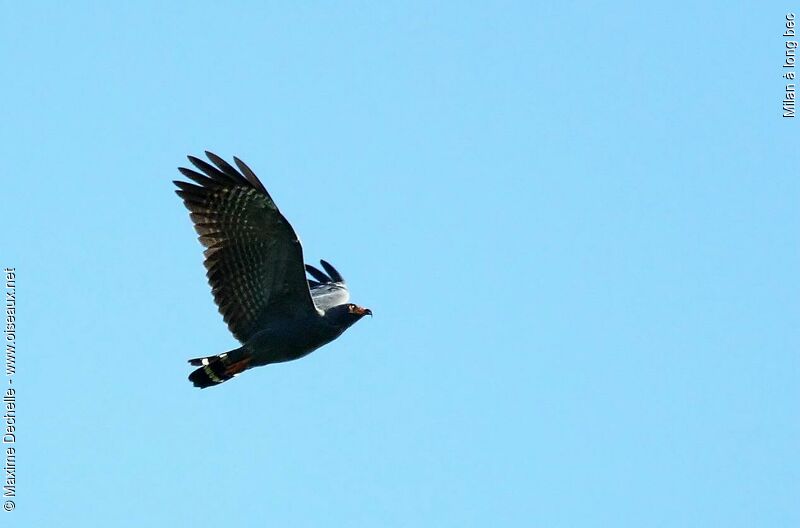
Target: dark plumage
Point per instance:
(255, 267)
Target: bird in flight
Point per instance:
(255, 267)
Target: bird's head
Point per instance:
(346, 315)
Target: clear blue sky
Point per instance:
(576, 223)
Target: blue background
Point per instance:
(577, 225)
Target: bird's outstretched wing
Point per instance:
(253, 256)
(327, 290)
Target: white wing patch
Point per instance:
(328, 295)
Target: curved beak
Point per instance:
(362, 311)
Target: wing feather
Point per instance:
(253, 257)
(250, 175)
(327, 291)
(334, 275)
(317, 274)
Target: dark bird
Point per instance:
(254, 264)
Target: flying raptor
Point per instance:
(255, 267)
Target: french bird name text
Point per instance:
(790, 57)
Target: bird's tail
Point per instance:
(219, 369)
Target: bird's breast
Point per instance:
(289, 340)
